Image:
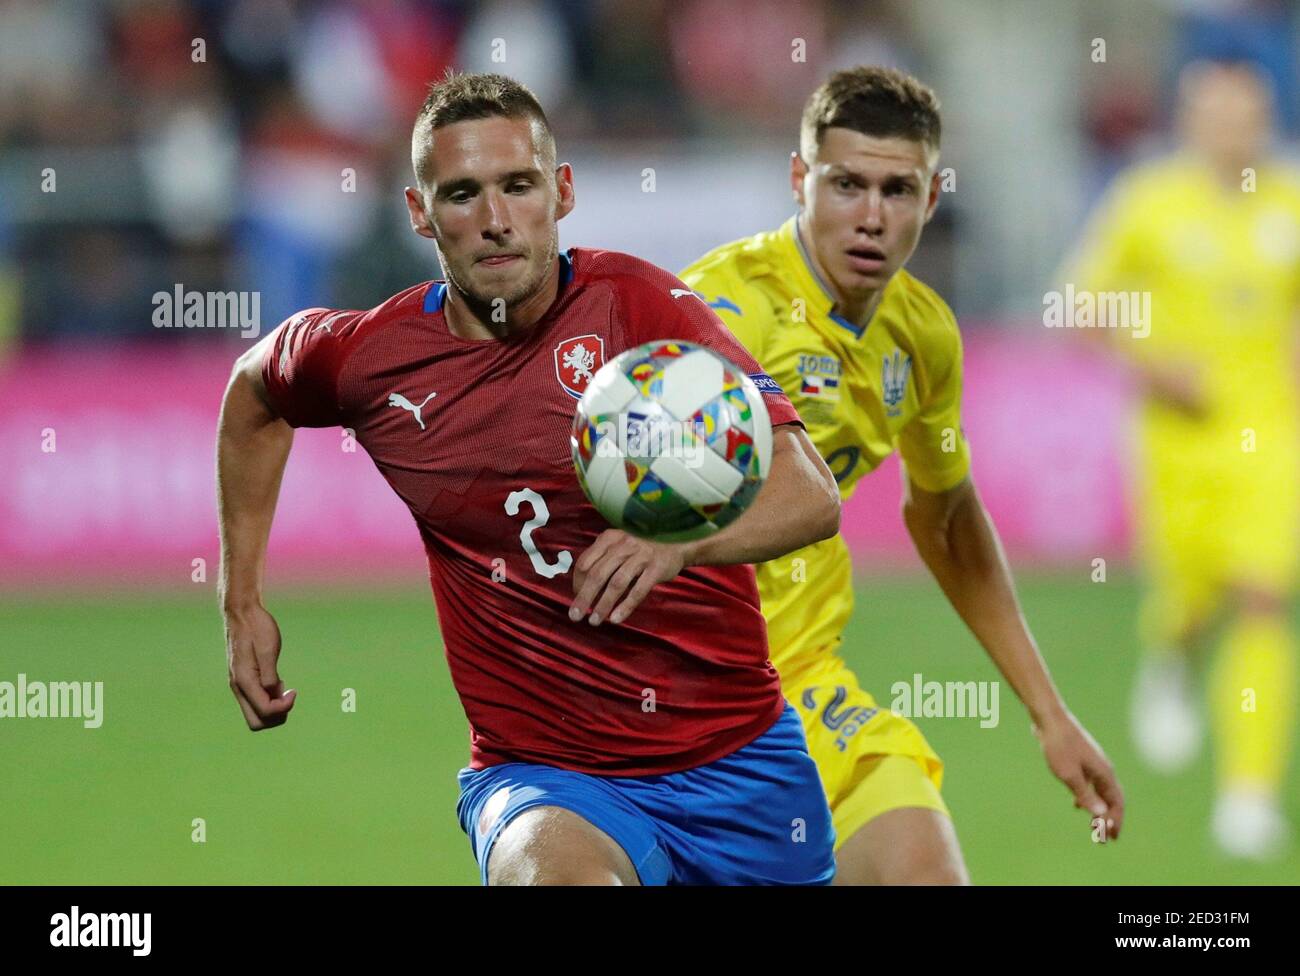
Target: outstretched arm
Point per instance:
(252, 448)
(798, 505)
(954, 535)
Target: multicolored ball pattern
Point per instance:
(671, 441)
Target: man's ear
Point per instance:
(798, 170)
(564, 198)
(936, 181)
(415, 207)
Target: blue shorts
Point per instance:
(756, 816)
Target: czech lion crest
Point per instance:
(576, 362)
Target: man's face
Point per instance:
(1227, 113)
(865, 200)
(492, 204)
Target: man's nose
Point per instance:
(873, 216)
(496, 216)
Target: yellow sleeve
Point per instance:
(742, 309)
(933, 445)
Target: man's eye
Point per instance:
(460, 196)
(844, 183)
(521, 187)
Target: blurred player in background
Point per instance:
(555, 625)
(1212, 234)
(872, 359)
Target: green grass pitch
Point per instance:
(369, 797)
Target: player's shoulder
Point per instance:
(922, 312)
(592, 264)
(745, 263)
(346, 325)
(743, 277)
(746, 258)
(322, 341)
(628, 277)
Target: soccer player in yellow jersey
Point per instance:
(872, 359)
(1211, 234)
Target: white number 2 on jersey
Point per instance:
(541, 514)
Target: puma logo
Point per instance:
(397, 400)
(681, 292)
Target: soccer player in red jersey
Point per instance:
(626, 725)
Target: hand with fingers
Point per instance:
(615, 562)
(252, 650)
(1078, 762)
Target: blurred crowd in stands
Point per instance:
(235, 144)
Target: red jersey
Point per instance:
(474, 437)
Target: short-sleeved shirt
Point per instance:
(474, 435)
(862, 394)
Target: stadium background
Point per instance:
(273, 164)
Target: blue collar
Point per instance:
(435, 297)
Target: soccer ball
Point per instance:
(671, 441)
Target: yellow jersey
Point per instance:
(1220, 267)
(862, 393)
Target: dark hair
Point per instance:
(875, 101)
(460, 97)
